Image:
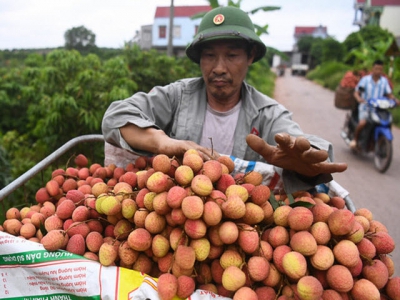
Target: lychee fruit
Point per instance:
(364, 289)
(258, 268)
(212, 169)
(320, 231)
(139, 239)
(230, 257)
(300, 218)
(323, 258)
(376, 272)
(383, 242)
(224, 182)
(303, 242)
(186, 286)
(339, 278)
(76, 244)
(341, 222)
(260, 194)
(160, 245)
(309, 288)
(54, 240)
(346, 253)
(194, 161)
(254, 214)
(162, 163)
(192, 207)
(175, 196)
(212, 213)
(184, 175)
(233, 207)
(248, 239)
(393, 288)
(233, 278)
(277, 236)
(228, 232)
(201, 248)
(245, 293)
(185, 256)
(294, 265)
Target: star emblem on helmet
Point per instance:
(219, 19)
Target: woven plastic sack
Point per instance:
(28, 271)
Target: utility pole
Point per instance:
(170, 51)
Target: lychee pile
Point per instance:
(194, 224)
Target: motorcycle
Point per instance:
(376, 137)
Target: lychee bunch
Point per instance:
(196, 224)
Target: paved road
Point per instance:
(313, 108)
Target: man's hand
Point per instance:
(172, 147)
(156, 141)
(294, 154)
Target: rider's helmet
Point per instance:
(225, 23)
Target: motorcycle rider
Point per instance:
(373, 85)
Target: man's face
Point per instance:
(224, 66)
(377, 70)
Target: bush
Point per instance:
(264, 83)
(328, 74)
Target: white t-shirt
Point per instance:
(220, 127)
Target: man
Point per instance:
(373, 85)
(220, 108)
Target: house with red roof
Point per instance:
(184, 28)
(300, 61)
(314, 31)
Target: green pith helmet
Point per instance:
(225, 23)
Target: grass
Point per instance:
(328, 74)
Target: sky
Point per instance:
(27, 24)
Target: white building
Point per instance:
(384, 13)
(184, 28)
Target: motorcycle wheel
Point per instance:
(383, 154)
(346, 127)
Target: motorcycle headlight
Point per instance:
(383, 103)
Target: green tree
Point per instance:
(364, 55)
(332, 50)
(80, 38)
(311, 48)
(320, 50)
(5, 174)
(304, 44)
(316, 51)
(368, 35)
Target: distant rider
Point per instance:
(373, 85)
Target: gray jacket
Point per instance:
(179, 110)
